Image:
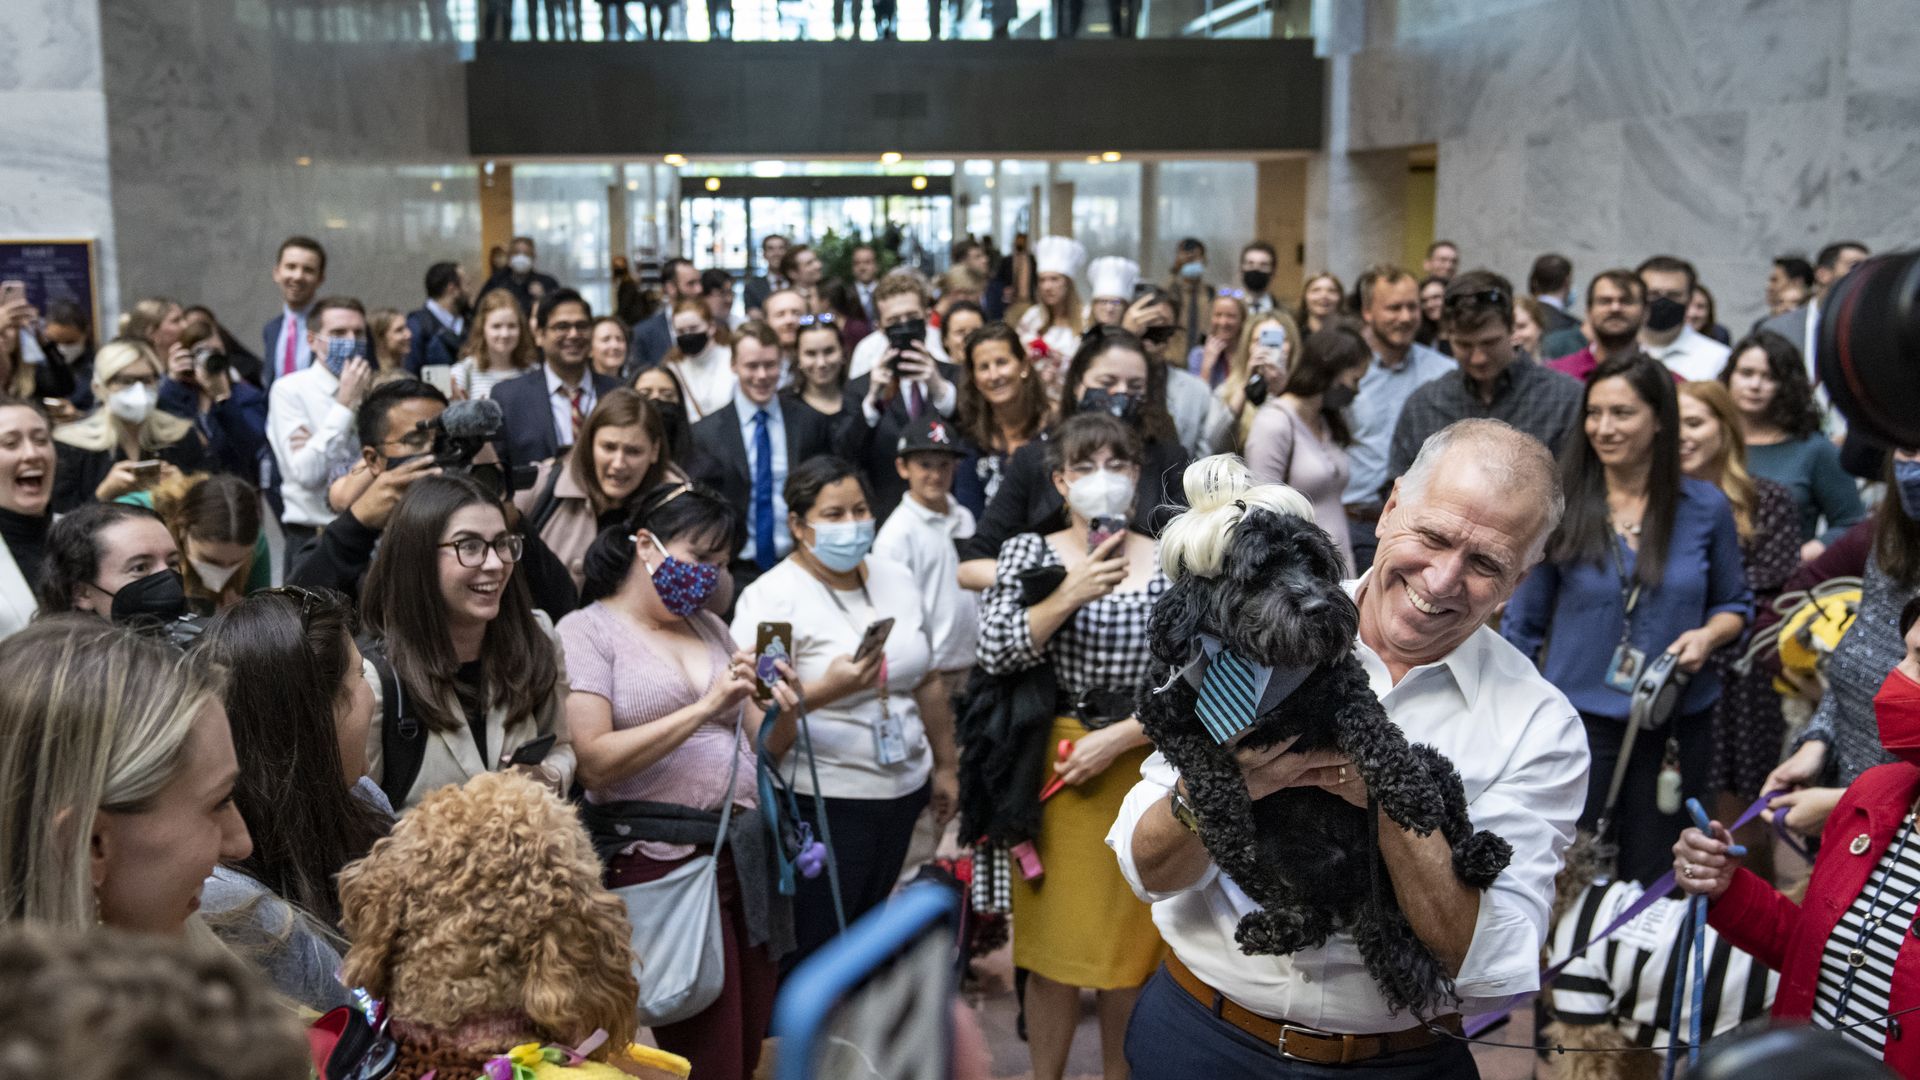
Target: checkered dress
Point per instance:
(1103, 647)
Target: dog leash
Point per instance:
(1692, 948)
(1474, 1025)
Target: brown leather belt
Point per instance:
(1367, 511)
(1308, 1044)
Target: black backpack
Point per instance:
(403, 738)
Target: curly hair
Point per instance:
(486, 900)
(109, 1005)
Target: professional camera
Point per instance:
(1869, 348)
(461, 432)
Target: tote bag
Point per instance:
(675, 920)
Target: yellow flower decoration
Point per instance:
(527, 1056)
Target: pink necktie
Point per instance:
(286, 361)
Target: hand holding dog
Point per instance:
(1269, 770)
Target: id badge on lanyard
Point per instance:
(1627, 662)
(889, 732)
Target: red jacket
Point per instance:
(1789, 937)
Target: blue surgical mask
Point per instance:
(840, 545)
(342, 349)
(1906, 477)
(1192, 270)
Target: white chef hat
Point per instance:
(1112, 277)
(1059, 255)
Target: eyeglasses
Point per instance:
(1230, 293)
(569, 327)
(1484, 298)
(825, 318)
(472, 551)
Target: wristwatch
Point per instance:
(1183, 811)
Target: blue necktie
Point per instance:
(762, 491)
(1228, 696)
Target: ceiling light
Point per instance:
(990, 182)
(436, 185)
(891, 157)
(303, 161)
(1093, 159)
(675, 160)
(919, 183)
(713, 183)
(1110, 155)
(633, 185)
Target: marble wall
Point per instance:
(230, 124)
(1724, 131)
(53, 124)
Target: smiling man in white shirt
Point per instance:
(1459, 532)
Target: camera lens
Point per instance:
(1869, 348)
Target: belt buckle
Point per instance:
(1289, 1029)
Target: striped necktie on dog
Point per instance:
(1228, 695)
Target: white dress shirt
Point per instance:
(560, 395)
(777, 434)
(1522, 755)
(709, 380)
(306, 399)
(868, 352)
(1692, 356)
(829, 623)
(921, 540)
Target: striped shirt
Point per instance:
(1868, 950)
(1629, 980)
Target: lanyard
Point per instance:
(1629, 590)
(834, 595)
(1870, 922)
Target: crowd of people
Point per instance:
(932, 500)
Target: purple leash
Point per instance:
(1475, 1025)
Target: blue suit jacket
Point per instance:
(652, 340)
(526, 435)
(269, 358)
(425, 329)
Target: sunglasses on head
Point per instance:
(1483, 298)
(1230, 293)
(825, 318)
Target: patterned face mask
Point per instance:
(683, 586)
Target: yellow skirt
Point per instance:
(1080, 924)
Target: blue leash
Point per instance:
(1692, 948)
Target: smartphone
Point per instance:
(148, 471)
(439, 376)
(773, 642)
(1100, 529)
(1274, 337)
(11, 291)
(1257, 390)
(875, 637)
(534, 752)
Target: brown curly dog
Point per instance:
(482, 924)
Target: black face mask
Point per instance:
(157, 598)
(1256, 281)
(691, 344)
(1158, 335)
(1122, 405)
(1337, 397)
(1664, 313)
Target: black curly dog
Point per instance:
(1305, 855)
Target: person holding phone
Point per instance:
(1091, 626)
(230, 413)
(128, 445)
(477, 664)
(1300, 437)
(905, 375)
(881, 733)
(660, 713)
(1258, 368)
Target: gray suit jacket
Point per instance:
(1791, 325)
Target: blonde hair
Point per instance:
(1730, 465)
(97, 718)
(96, 432)
(379, 322)
(144, 317)
(525, 354)
(1220, 490)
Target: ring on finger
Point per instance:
(1686, 871)
(1343, 774)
